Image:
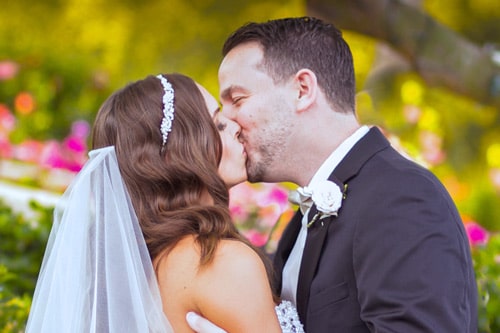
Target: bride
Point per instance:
(143, 235)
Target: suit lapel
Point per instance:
(363, 150)
(316, 235)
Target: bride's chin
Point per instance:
(234, 182)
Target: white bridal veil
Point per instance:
(96, 274)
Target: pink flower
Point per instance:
(7, 119)
(431, 145)
(241, 202)
(412, 113)
(271, 194)
(72, 153)
(51, 155)
(28, 151)
(269, 215)
(279, 196)
(477, 235)
(256, 208)
(8, 70)
(255, 237)
(55, 156)
(495, 177)
(75, 144)
(80, 129)
(242, 193)
(6, 150)
(238, 213)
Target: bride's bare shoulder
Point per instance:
(186, 254)
(235, 257)
(232, 290)
(234, 266)
(177, 269)
(231, 259)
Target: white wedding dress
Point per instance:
(288, 318)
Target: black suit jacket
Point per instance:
(396, 259)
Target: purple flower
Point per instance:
(80, 129)
(477, 234)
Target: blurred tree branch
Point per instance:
(441, 56)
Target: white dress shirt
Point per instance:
(292, 265)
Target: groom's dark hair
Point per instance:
(291, 44)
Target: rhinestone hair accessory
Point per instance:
(168, 108)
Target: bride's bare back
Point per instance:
(232, 291)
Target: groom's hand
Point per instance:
(202, 325)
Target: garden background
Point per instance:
(428, 74)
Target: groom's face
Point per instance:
(262, 108)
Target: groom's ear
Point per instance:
(307, 85)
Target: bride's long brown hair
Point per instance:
(168, 188)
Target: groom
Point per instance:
(392, 256)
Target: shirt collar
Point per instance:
(337, 155)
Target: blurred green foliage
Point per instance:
(475, 19)
(454, 136)
(13, 309)
(487, 267)
(22, 245)
(73, 54)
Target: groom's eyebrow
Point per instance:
(226, 93)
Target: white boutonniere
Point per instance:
(327, 196)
